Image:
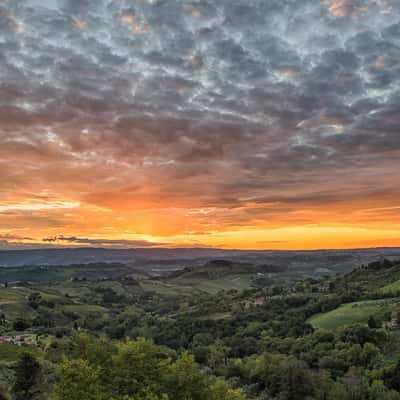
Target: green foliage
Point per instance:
(10, 353)
(184, 380)
(27, 378)
(79, 380)
(21, 325)
(349, 314)
(220, 391)
(4, 393)
(282, 374)
(377, 391)
(137, 366)
(373, 323)
(259, 340)
(139, 370)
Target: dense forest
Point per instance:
(317, 339)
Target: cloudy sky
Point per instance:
(231, 123)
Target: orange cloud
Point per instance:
(343, 8)
(129, 19)
(133, 22)
(380, 62)
(14, 23)
(79, 24)
(194, 11)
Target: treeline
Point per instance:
(86, 368)
(349, 364)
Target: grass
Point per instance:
(217, 316)
(351, 313)
(14, 301)
(72, 289)
(9, 353)
(164, 288)
(229, 282)
(85, 308)
(189, 285)
(11, 295)
(391, 288)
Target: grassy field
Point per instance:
(351, 313)
(391, 288)
(85, 308)
(76, 290)
(13, 302)
(188, 285)
(229, 282)
(166, 288)
(11, 295)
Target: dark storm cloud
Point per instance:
(205, 99)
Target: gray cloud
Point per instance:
(204, 102)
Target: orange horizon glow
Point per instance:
(98, 226)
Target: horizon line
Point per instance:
(199, 248)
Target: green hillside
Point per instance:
(353, 313)
(391, 288)
(247, 341)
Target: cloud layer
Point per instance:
(173, 118)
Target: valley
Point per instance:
(228, 313)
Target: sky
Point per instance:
(247, 124)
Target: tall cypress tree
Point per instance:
(27, 376)
(3, 393)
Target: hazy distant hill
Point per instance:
(162, 260)
(15, 258)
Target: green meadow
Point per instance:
(351, 313)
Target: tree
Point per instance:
(21, 325)
(376, 391)
(372, 323)
(4, 393)
(27, 378)
(393, 378)
(220, 391)
(285, 374)
(356, 384)
(138, 366)
(392, 395)
(217, 354)
(147, 395)
(34, 300)
(337, 392)
(79, 380)
(370, 354)
(138, 370)
(184, 380)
